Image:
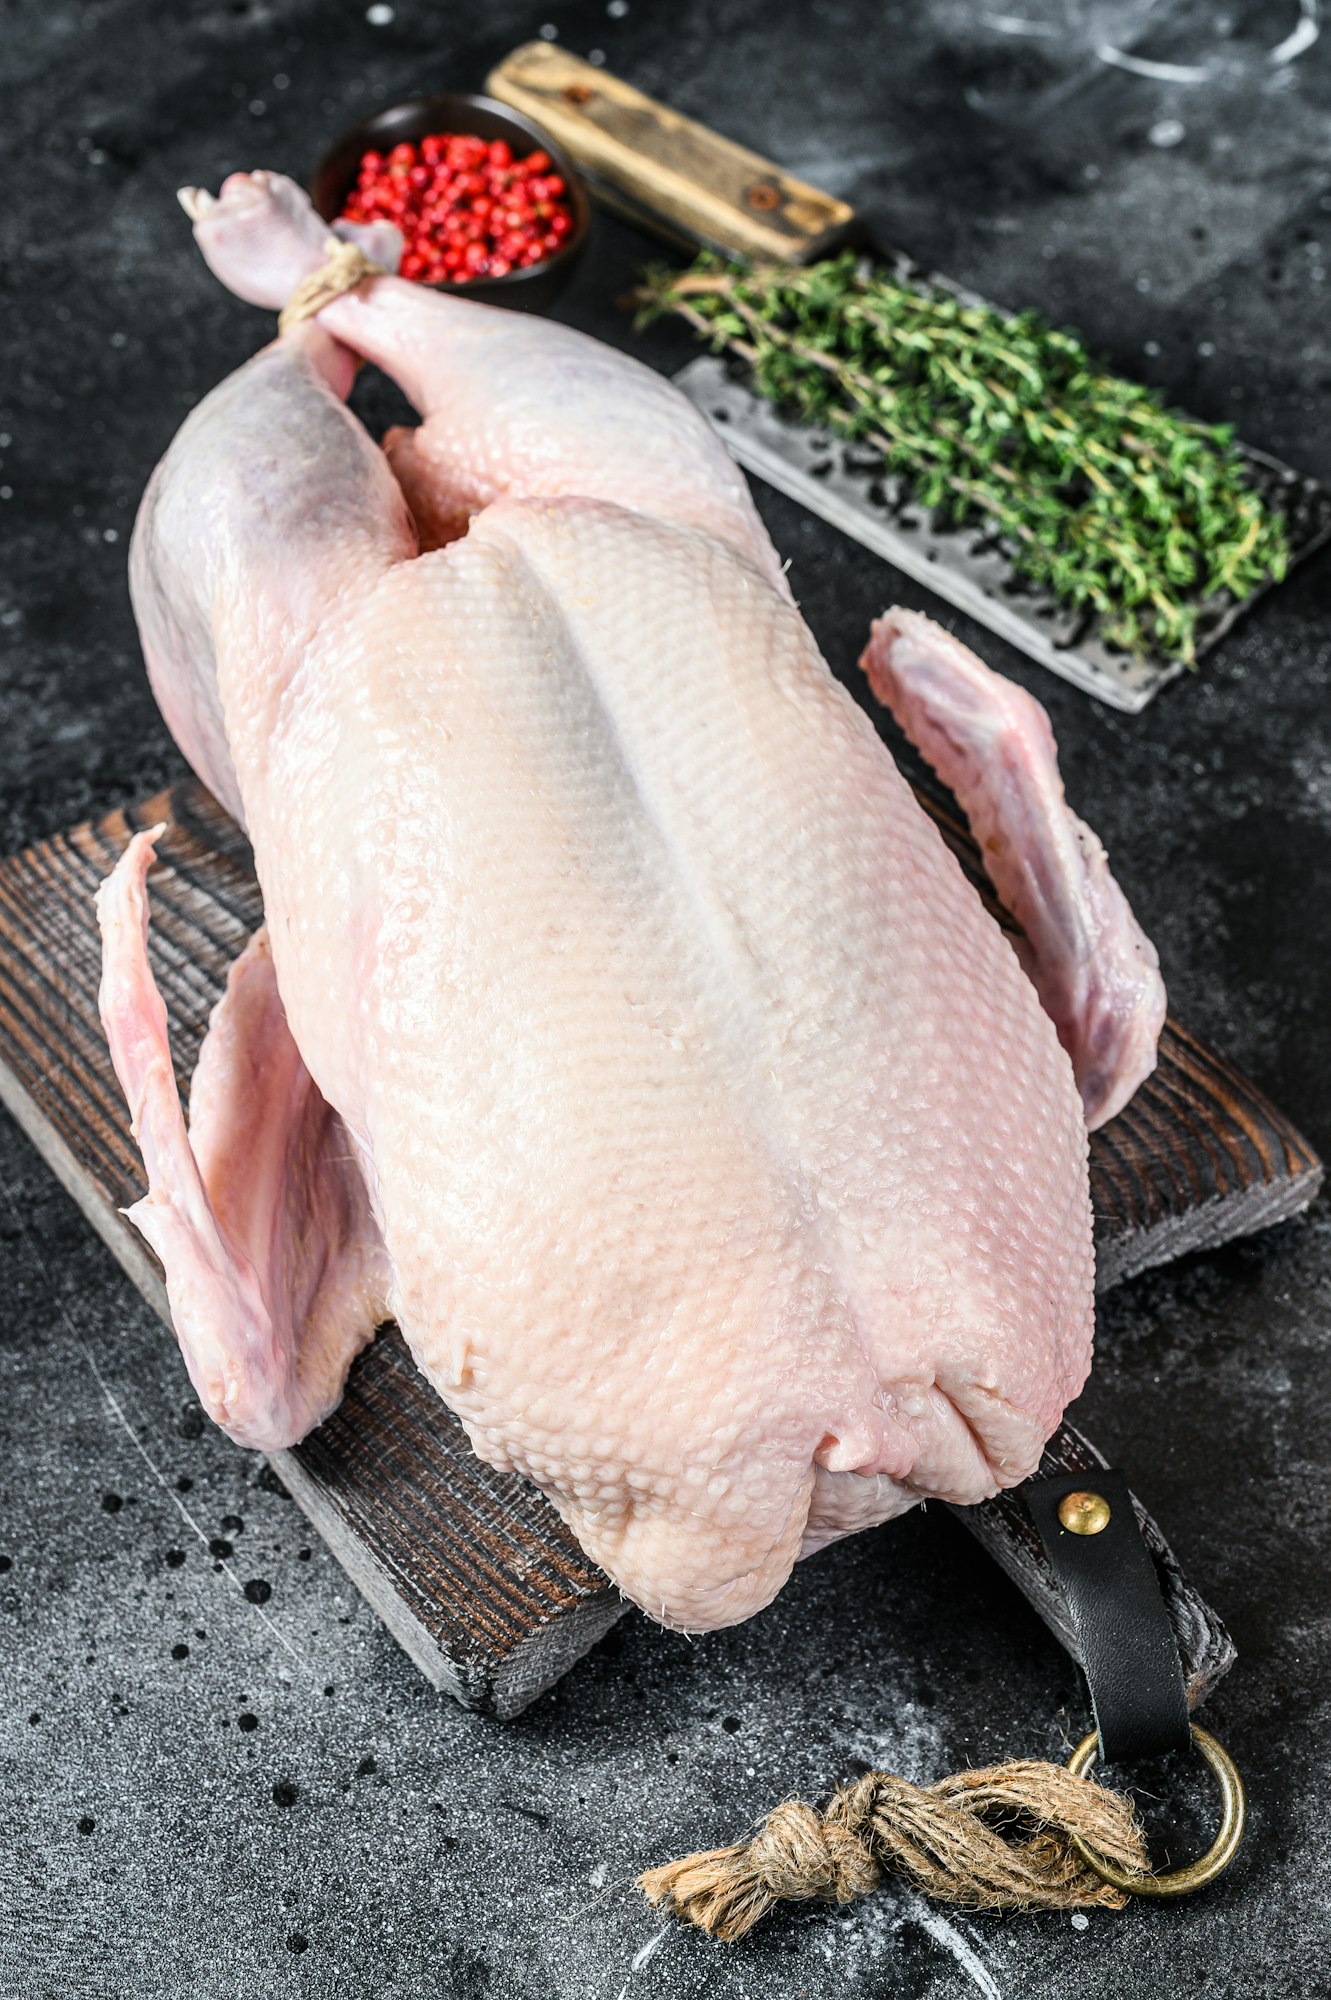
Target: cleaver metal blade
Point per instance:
(847, 485)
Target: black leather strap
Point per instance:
(1125, 1640)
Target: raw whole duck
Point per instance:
(620, 1024)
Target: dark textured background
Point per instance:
(211, 1798)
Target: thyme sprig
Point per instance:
(1099, 494)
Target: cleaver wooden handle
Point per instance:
(664, 170)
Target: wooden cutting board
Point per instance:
(471, 1569)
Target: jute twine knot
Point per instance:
(995, 1839)
(346, 265)
(796, 1854)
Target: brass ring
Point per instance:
(1195, 1874)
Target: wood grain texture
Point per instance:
(472, 1570)
(650, 162)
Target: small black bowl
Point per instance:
(536, 285)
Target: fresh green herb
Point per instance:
(1100, 495)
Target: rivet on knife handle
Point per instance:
(662, 168)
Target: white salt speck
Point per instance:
(1151, 347)
(946, 1934)
(1080, 1920)
(1168, 132)
(652, 1946)
(5, 440)
(617, 9)
(110, 535)
(1014, 24)
(596, 57)
(597, 1877)
(257, 107)
(548, 32)
(6, 492)
(119, 339)
(749, 1771)
(280, 81)
(1091, 172)
(1206, 348)
(379, 15)
(1143, 284)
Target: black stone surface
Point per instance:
(221, 1778)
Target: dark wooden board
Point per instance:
(472, 1570)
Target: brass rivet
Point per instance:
(1084, 1513)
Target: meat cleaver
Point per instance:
(676, 178)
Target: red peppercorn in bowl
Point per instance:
(483, 198)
